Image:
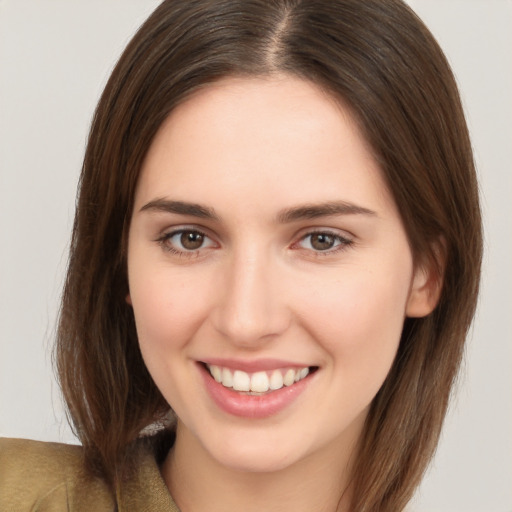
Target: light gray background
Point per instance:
(55, 56)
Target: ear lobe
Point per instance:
(128, 299)
(427, 285)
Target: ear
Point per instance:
(128, 299)
(427, 283)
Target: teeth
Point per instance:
(276, 380)
(216, 373)
(241, 381)
(289, 377)
(259, 382)
(227, 378)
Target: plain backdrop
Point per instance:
(55, 56)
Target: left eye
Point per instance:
(323, 242)
(187, 240)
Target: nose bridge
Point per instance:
(251, 308)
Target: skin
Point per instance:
(259, 287)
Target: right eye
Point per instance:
(185, 242)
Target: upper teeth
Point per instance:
(258, 382)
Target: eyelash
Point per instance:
(163, 241)
(342, 243)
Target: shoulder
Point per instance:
(47, 477)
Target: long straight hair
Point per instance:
(379, 59)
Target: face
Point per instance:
(269, 273)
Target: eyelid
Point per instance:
(344, 239)
(169, 233)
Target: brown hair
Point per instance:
(377, 57)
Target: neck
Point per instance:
(197, 482)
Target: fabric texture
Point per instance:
(50, 477)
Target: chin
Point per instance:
(256, 460)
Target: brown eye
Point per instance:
(191, 240)
(322, 241)
(186, 242)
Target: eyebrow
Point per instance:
(313, 211)
(303, 212)
(181, 208)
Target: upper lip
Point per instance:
(255, 365)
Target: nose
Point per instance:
(251, 309)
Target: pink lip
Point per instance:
(260, 365)
(252, 406)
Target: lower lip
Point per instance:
(252, 406)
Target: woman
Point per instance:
(277, 236)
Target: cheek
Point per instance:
(168, 308)
(358, 321)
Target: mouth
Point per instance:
(259, 382)
(255, 389)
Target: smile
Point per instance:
(258, 382)
(255, 389)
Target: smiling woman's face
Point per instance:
(266, 254)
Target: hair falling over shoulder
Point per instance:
(377, 58)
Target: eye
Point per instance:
(185, 241)
(324, 241)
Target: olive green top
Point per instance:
(50, 477)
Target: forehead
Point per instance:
(251, 137)
(277, 108)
